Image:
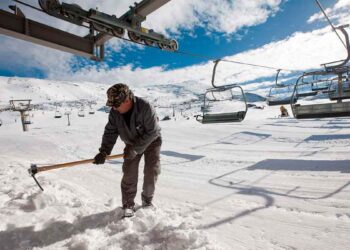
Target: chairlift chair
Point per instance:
(81, 113)
(338, 90)
(26, 118)
(323, 110)
(279, 94)
(91, 111)
(58, 114)
(321, 85)
(306, 89)
(213, 96)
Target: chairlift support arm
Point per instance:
(332, 68)
(216, 62)
(276, 81)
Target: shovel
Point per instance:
(34, 169)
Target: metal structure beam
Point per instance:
(146, 7)
(19, 27)
(135, 16)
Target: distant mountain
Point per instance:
(254, 97)
(48, 94)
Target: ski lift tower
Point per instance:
(67, 113)
(23, 106)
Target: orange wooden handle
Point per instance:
(74, 163)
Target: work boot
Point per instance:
(129, 210)
(147, 202)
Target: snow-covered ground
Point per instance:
(265, 183)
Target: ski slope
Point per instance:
(266, 183)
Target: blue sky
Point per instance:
(291, 18)
(261, 32)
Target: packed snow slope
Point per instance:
(265, 183)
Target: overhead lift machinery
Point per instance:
(101, 26)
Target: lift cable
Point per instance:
(211, 58)
(229, 61)
(330, 23)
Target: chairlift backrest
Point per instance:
(280, 94)
(339, 91)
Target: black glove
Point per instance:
(100, 158)
(129, 152)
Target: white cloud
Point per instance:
(338, 14)
(215, 15)
(25, 56)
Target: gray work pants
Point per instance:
(151, 172)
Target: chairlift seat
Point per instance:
(321, 110)
(335, 95)
(318, 88)
(305, 94)
(222, 118)
(275, 102)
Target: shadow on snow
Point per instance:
(274, 165)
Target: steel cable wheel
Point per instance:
(119, 32)
(161, 46)
(48, 5)
(174, 45)
(133, 37)
(148, 42)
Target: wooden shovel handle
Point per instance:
(74, 163)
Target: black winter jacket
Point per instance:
(144, 127)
